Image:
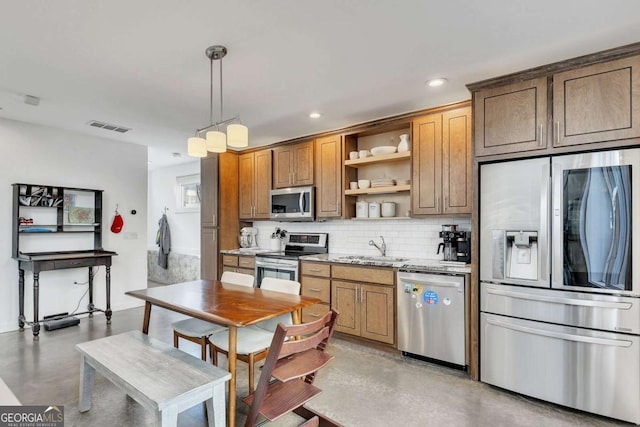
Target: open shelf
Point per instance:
(378, 190)
(383, 218)
(378, 159)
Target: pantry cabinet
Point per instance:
(442, 163)
(293, 165)
(254, 184)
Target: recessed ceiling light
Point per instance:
(315, 115)
(436, 82)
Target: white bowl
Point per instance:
(384, 149)
(364, 183)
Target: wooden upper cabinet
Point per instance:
(262, 184)
(511, 118)
(456, 161)
(328, 159)
(246, 177)
(254, 184)
(293, 165)
(597, 103)
(426, 181)
(441, 181)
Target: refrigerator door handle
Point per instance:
(561, 335)
(543, 237)
(560, 300)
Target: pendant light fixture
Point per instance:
(215, 140)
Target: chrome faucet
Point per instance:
(382, 248)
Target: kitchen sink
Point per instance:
(364, 258)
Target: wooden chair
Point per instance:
(199, 331)
(292, 364)
(253, 341)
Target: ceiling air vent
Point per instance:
(107, 126)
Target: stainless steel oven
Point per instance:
(284, 264)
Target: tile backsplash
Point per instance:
(415, 238)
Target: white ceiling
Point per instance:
(141, 63)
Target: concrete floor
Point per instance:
(361, 386)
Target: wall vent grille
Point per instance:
(107, 126)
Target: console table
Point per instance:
(45, 261)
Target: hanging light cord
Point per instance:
(211, 91)
(221, 104)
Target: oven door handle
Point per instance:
(561, 335)
(276, 266)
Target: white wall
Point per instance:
(34, 154)
(415, 238)
(184, 226)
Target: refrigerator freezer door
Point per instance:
(580, 368)
(514, 222)
(604, 312)
(431, 316)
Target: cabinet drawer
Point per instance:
(314, 312)
(317, 288)
(384, 276)
(74, 263)
(230, 260)
(249, 271)
(316, 269)
(247, 262)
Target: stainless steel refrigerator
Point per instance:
(560, 291)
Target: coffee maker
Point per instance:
(456, 245)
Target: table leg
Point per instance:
(147, 315)
(86, 384)
(233, 339)
(36, 302)
(295, 317)
(90, 307)
(21, 298)
(216, 406)
(108, 312)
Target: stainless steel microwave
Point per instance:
(292, 204)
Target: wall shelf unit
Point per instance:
(42, 211)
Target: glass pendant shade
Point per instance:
(237, 136)
(216, 141)
(196, 147)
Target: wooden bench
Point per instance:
(161, 378)
(7, 398)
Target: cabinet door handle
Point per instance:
(361, 294)
(313, 315)
(314, 270)
(540, 135)
(315, 289)
(557, 132)
(444, 205)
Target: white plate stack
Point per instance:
(383, 182)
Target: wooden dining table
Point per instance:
(225, 304)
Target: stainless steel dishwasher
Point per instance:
(431, 316)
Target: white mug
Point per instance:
(353, 155)
(364, 153)
(353, 185)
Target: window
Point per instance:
(188, 193)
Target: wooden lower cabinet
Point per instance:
(239, 264)
(366, 310)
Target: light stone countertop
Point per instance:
(245, 251)
(393, 262)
